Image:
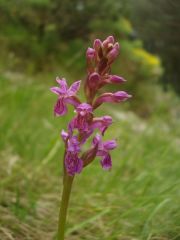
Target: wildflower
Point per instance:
(73, 163)
(83, 118)
(65, 96)
(103, 151)
(85, 123)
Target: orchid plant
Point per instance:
(84, 123)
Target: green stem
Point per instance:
(68, 180)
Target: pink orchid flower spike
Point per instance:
(84, 125)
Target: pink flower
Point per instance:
(82, 122)
(65, 96)
(86, 124)
(103, 151)
(73, 163)
(83, 118)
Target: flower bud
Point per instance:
(93, 80)
(121, 96)
(112, 55)
(115, 79)
(90, 53)
(110, 145)
(116, 97)
(108, 41)
(97, 44)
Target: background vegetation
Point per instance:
(139, 198)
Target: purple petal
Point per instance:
(60, 108)
(106, 162)
(73, 164)
(103, 150)
(63, 84)
(56, 90)
(107, 120)
(73, 145)
(73, 100)
(79, 166)
(74, 88)
(84, 108)
(109, 145)
(121, 96)
(80, 122)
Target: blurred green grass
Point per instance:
(138, 199)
